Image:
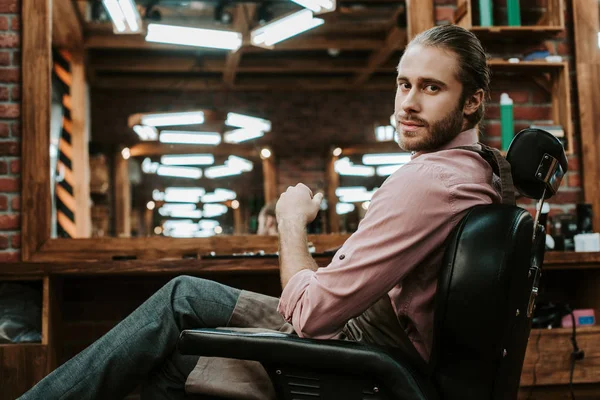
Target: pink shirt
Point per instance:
(397, 248)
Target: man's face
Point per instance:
(427, 107)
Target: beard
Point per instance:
(438, 134)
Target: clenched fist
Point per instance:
(298, 203)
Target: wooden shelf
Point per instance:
(570, 260)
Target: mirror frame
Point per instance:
(36, 242)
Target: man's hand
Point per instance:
(298, 204)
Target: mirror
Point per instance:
(198, 172)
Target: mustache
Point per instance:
(411, 118)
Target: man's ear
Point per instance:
(270, 221)
(473, 102)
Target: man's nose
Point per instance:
(410, 104)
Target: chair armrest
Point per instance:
(280, 349)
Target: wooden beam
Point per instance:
(270, 179)
(420, 16)
(80, 137)
(67, 29)
(395, 40)
(333, 182)
(586, 23)
(148, 149)
(311, 42)
(244, 14)
(271, 83)
(122, 197)
(36, 204)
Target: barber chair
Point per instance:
(484, 304)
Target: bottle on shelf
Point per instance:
(486, 17)
(506, 120)
(514, 12)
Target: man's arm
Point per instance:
(293, 250)
(295, 209)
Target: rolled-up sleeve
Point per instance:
(407, 218)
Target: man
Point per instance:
(267, 220)
(385, 273)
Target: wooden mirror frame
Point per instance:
(37, 244)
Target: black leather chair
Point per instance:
(484, 304)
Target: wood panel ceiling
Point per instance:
(358, 46)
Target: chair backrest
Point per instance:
(488, 281)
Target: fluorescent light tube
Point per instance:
(188, 159)
(241, 135)
(183, 191)
(239, 163)
(219, 196)
(384, 159)
(248, 122)
(343, 208)
(221, 171)
(285, 28)
(388, 169)
(179, 172)
(146, 132)
(342, 191)
(116, 15)
(179, 207)
(173, 119)
(204, 233)
(186, 214)
(317, 6)
(217, 209)
(174, 223)
(124, 16)
(207, 224)
(357, 197)
(198, 37)
(186, 137)
(149, 167)
(343, 166)
(132, 17)
(384, 133)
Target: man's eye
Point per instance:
(404, 85)
(432, 88)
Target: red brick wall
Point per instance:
(10, 130)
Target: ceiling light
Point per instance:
(384, 133)
(173, 119)
(387, 170)
(218, 197)
(343, 208)
(146, 132)
(188, 159)
(343, 191)
(265, 153)
(393, 120)
(149, 167)
(343, 166)
(126, 153)
(235, 204)
(179, 172)
(212, 38)
(182, 223)
(206, 224)
(383, 159)
(357, 197)
(239, 163)
(366, 205)
(284, 28)
(150, 205)
(179, 195)
(317, 6)
(214, 209)
(248, 122)
(124, 16)
(337, 152)
(186, 137)
(218, 230)
(241, 135)
(158, 230)
(221, 171)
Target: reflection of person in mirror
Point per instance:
(384, 276)
(267, 221)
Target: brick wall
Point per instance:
(10, 130)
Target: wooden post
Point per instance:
(122, 196)
(35, 116)
(238, 223)
(80, 136)
(270, 179)
(333, 181)
(419, 15)
(587, 60)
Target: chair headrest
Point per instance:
(538, 162)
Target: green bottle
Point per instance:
(514, 12)
(506, 120)
(485, 13)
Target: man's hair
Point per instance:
(473, 71)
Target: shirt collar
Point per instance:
(464, 138)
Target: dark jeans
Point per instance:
(141, 348)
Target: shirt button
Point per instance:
(342, 257)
